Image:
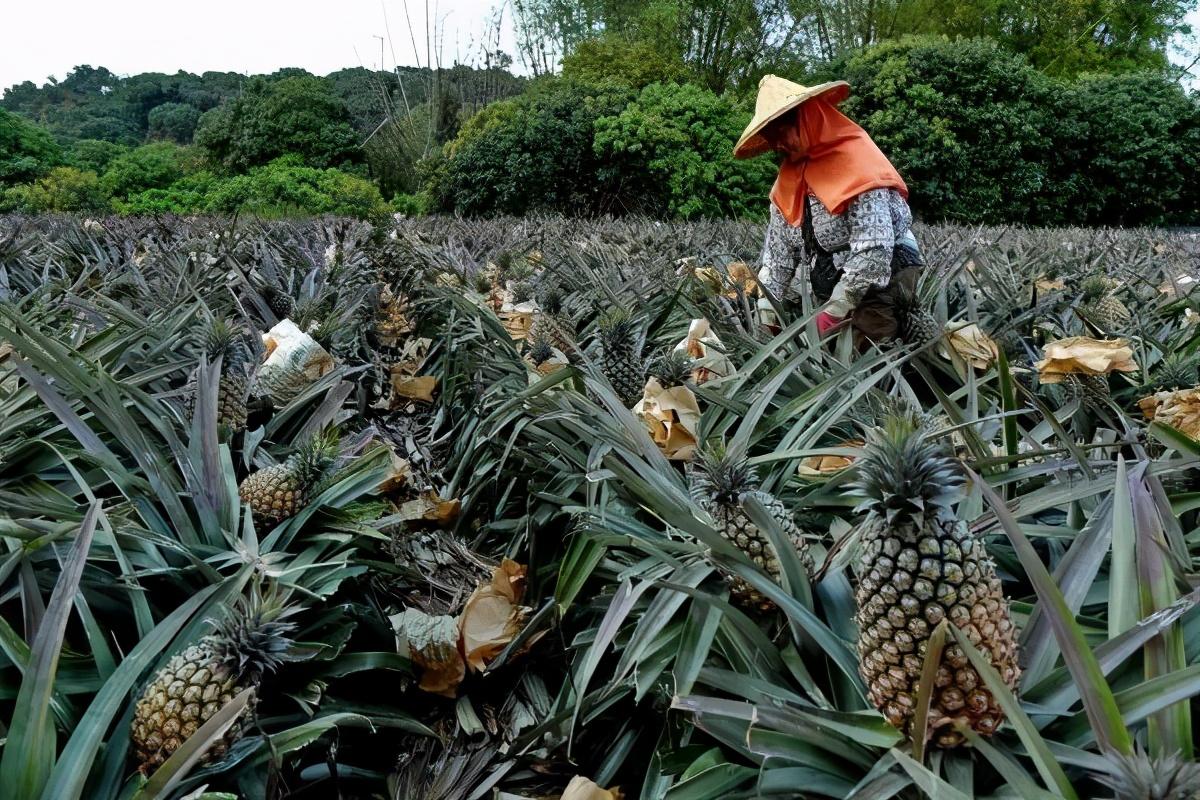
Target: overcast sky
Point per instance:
(39, 38)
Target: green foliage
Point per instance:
(1130, 151)
(174, 121)
(981, 136)
(151, 166)
(966, 123)
(615, 57)
(62, 189)
(94, 154)
(671, 153)
(26, 151)
(293, 116)
(282, 188)
(533, 152)
(1063, 38)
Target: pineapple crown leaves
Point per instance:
(220, 338)
(1168, 777)
(1095, 287)
(254, 637)
(673, 368)
(540, 350)
(720, 476)
(903, 473)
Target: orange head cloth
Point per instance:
(838, 162)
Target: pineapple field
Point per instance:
(539, 508)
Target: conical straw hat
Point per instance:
(776, 97)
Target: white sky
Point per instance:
(39, 38)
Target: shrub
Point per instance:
(94, 154)
(151, 166)
(26, 151)
(292, 116)
(63, 189)
(533, 152)
(966, 123)
(1131, 153)
(671, 153)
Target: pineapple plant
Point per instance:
(277, 492)
(1174, 372)
(552, 321)
(1100, 306)
(1141, 777)
(920, 565)
(621, 355)
(233, 390)
(916, 324)
(671, 369)
(249, 642)
(721, 482)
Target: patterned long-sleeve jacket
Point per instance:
(861, 240)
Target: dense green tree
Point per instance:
(62, 189)
(533, 152)
(671, 153)
(617, 57)
(174, 121)
(294, 115)
(26, 151)
(151, 166)
(94, 154)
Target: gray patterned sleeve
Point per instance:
(869, 262)
(779, 257)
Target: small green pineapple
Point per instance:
(1100, 306)
(621, 358)
(237, 365)
(721, 483)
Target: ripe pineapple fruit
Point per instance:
(621, 355)
(277, 492)
(720, 484)
(1100, 307)
(198, 682)
(233, 390)
(920, 565)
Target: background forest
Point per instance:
(994, 110)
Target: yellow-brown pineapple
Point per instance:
(277, 492)
(199, 681)
(920, 565)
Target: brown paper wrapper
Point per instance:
(580, 788)
(822, 466)
(970, 344)
(493, 615)
(518, 319)
(1180, 409)
(431, 643)
(430, 507)
(672, 417)
(392, 322)
(704, 347)
(1081, 355)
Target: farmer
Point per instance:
(840, 223)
